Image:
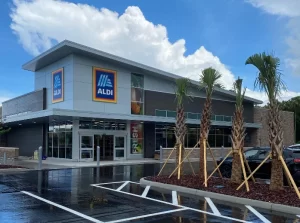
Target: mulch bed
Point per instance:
(258, 191)
(9, 167)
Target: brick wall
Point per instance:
(260, 137)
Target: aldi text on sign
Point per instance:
(57, 86)
(104, 85)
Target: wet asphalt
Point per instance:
(96, 195)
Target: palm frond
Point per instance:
(181, 90)
(239, 91)
(209, 79)
(269, 77)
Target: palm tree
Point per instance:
(208, 80)
(270, 81)
(238, 132)
(180, 129)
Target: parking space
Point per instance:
(111, 195)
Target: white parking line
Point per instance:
(212, 206)
(146, 191)
(122, 186)
(147, 215)
(257, 214)
(63, 207)
(164, 202)
(118, 182)
(174, 197)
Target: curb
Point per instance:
(222, 197)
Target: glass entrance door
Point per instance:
(120, 144)
(87, 147)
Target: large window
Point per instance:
(102, 125)
(137, 137)
(165, 137)
(137, 94)
(60, 140)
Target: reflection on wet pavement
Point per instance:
(115, 200)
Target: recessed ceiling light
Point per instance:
(20, 124)
(34, 122)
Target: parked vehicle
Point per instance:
(256, 155)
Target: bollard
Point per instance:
(98, 156)
(4, 158)
(40, 157)
(161, 154)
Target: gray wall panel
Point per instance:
(149, 140)
(27, 138)
(164, 101)
(31, 102)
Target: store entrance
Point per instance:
(106, 143)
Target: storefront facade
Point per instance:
(86, 98)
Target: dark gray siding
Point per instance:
(27, 138)
(164, 101)
(149, 140)
(34, 101)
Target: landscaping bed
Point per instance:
(10, 167)
(258, 191)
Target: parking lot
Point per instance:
(112, 194)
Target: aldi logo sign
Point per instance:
(104, 85)
(58, 86)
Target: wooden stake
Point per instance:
(205, 171)
(244, 170)
(248, 167)
(254, 171)
(288, 180)
(215, 162)
(183, 159)
(219, 165)
(166, 161)
(179, 161)
(289, 175)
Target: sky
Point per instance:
(180, 36)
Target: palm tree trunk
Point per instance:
(204, 128)
(237, 138)
(180, 132)
(276, 143)
(236, 173)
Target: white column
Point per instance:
(75, 140)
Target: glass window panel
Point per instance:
(227, 141)
(69, 145)
(192, 115)
(227, 131)
(137, 108)
(85, 125)
(119, 153)
(211, 140)
(62, 127)
(219, 141)
(137, 146)
(213, 118)
(170, 129)
(137, 80)
(219, 118)
(55, 145)
(161, 113)
(186, 141)
(50, 129)
(171, 114)
(228, 118)
(86, 141)
(160, 139)
(137, 95)
(219, 131)
(87, 154)
(110, 126)
(50, 140)
(120, 142)
(121, 126)
(212, 130)
(62, 144)
(55, 128)
(171, 139)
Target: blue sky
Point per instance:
(231, 30)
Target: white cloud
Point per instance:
(39, 23)
(291, 10)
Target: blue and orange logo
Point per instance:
(58, 85)
(104, 85)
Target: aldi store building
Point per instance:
(83, 98)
